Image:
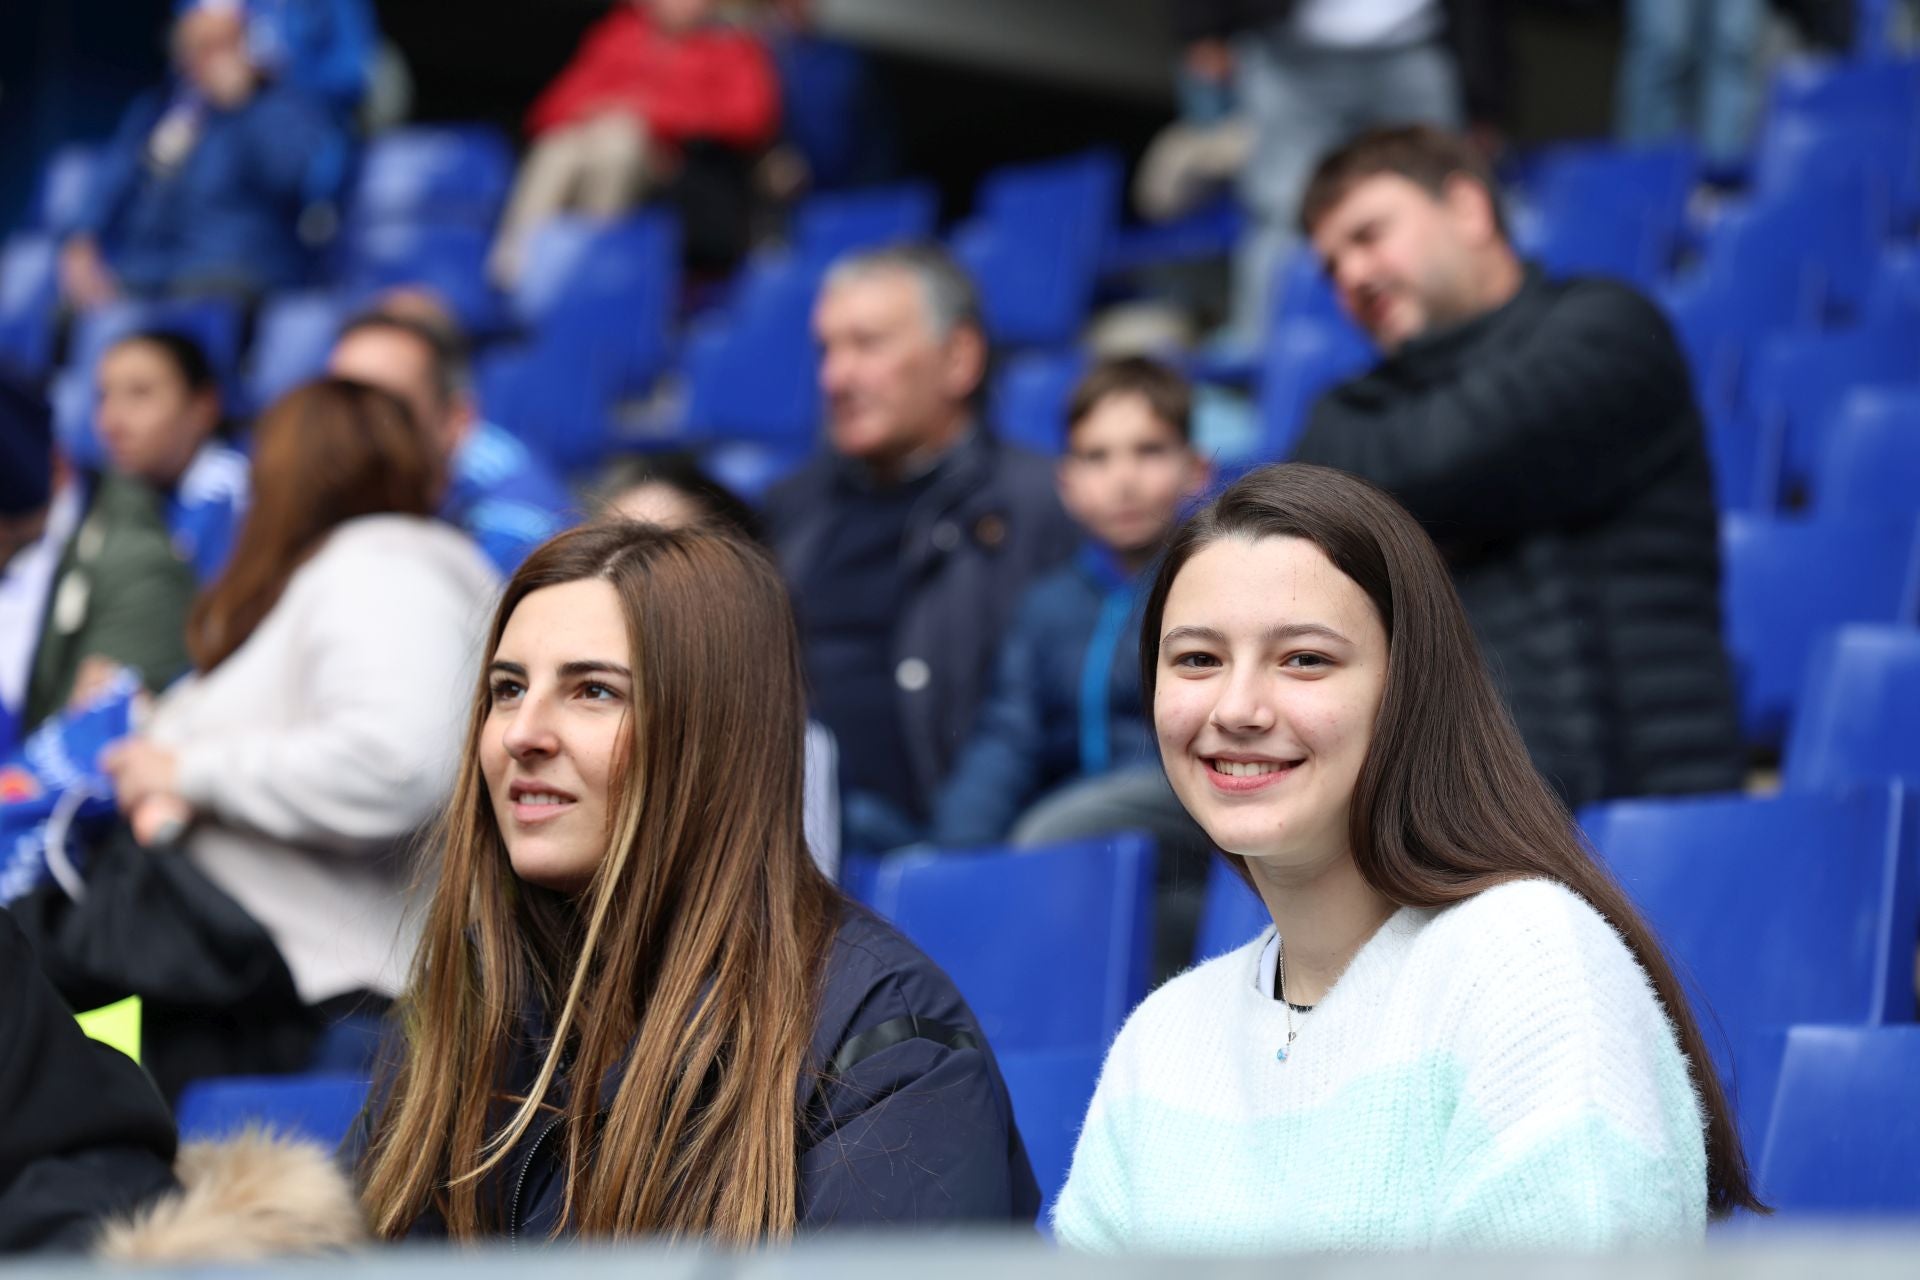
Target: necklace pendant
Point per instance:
(1280, 1054)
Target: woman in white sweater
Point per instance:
(332, 659)
(1458, 1031)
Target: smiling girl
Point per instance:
(638, 1007)
(1458, 1031)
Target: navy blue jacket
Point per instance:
(1065, 702)
(919, 1130)
(226, 217)
(987, 528)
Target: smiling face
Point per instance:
(561, 698)
(1271, 670)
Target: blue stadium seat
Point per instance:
(433, 174)
(1788, 581)
(319, 1108)
(449, 259)
(1797, 908)
(1825, 89)
(1301, 361)
(1030, 397)
(1844, 1137)
(1048, 945)
(1868, 160)
(29, 295)
(1051, 1089)
(826, 107)
(1035, 243)
(1894, 298)
(753, 374)
(292, 338)
(1302, 293)
(1859, 715)
(1641, 189)
(1869, 459)
(66, 182)
(1232, 913)
(557, 391)
(1801, 379)
(626, 272)
(750, 468)
(827, 226)
(1590, 240)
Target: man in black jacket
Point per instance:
(83, 1132)
(1545, 434)
(909, 541)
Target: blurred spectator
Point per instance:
(328, 48)
(497, 490)
(203, 188)
(660, 94)
(332, 657)
(672, 489)
(1062, 747)
(1692, 67)
(159, 418)
(1307, 74)
(910, 540)
(88, 582)
(1546, 436)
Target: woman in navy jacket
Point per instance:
(639, 1009)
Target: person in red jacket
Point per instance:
(656, 88)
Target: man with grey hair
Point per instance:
(908, 541)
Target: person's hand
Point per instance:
(140, 771)
(160, 820)
(1210, 60)
(95, 674)
(84, 276)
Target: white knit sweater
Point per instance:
(1496, 1074)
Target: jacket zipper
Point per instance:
(520, 1183)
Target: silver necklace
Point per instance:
(1280, 971)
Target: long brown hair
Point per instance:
(684, 979)
(1447, 804)
(323, 454)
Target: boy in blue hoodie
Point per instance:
(1062, 747)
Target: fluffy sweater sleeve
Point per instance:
(1553, 1143)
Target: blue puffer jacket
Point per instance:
(226, 216)
(911, 1125)
(1065, 702)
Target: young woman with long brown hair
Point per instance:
(1458, 1032)
(638, 1008)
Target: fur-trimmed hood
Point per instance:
(256, 1195)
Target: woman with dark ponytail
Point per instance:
(1458, 1032)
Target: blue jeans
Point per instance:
(1691, 66)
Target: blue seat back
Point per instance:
(293, 337)
(1845, 1125)
(1035, 244)
(1031, 395)
(66, 183)
(29, 294)
(449, 259)
(1788, 581)
(753, 373)
(625, 272)
(1302, 360)
(1802, 379)
(319, 1108)
(1859, 715)
(1644, 188)
(557, 392)
(1776, 911)
(433, 174)
(827, 226)
(1051, 1089)
(1869, 457)
(1048, 945)
(1231, 915)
